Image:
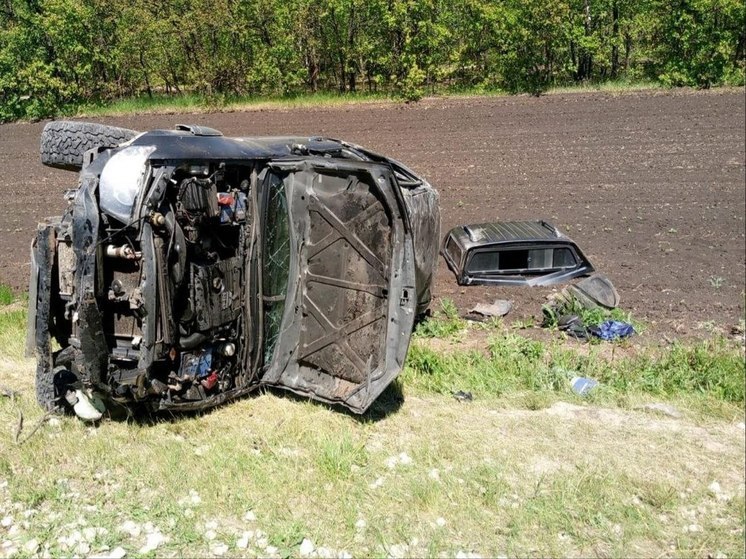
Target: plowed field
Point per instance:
(651, 185)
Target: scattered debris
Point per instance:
(499, 308)
(582, 385)
(612, 329)
(592, 292)
(664, 409)
(463, 396)
(87, 406)
(573, 326)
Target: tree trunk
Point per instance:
(615, 40)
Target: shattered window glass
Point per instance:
(276, 262)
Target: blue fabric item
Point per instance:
(612, 329)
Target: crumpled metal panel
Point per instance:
(349, 316)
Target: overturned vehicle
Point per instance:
(190, 268)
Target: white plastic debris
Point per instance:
(86, 407)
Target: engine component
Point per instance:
(216, 293)
(199, 195)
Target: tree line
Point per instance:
(58, 54)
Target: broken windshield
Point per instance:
(276, 262)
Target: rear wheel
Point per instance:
(64, 142)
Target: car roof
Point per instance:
(480, 234)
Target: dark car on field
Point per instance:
(531, 253)
(190, 268)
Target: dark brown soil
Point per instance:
(651, 185)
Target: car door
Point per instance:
(338, 279)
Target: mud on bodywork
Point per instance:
(190, 269)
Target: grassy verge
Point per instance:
(527, 468)
(196, 103)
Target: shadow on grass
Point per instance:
(389, 402)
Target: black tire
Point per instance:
(45, 390)
(64, 142)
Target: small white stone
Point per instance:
(131, 528)
(117, 553)
(31, 546)
(243, 541)
(440, 521)
(399, 550)
(54, 422)
(360, 524)
(211, 525)
(271, 550)
(405, 459)
(210, 535)
(377, 483)
(344, 555)
(218, 548)
(306, 548)
(153, 541)
(6, 522)
(249, 516)
(434, 474)
(391, 462)
(714, 487)
(324, 553)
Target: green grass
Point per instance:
(443, 323)
(527, 468)
(197, 103)
(6, 295)
(707, 377)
